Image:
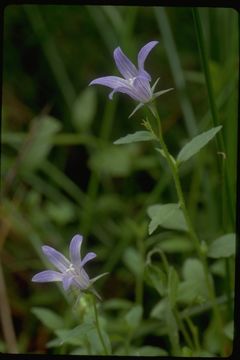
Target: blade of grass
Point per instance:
(63, 182)
(105, 30)
(175, 64)
(94, 180)
(6, 317)
(52, 54)
(212, 104)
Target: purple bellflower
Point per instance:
(71, 273)
(135, 81)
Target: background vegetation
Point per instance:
(62, 175)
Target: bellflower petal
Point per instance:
(142, 55)
(142, 88)
(88, 257)
(67, 280)
(56, 258)
(74, 250)
(110, 81)
(82, 280)
(124, 65)
(47, 276)
(126, 90)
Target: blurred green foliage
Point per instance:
(62, 175)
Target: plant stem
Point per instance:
(182, 328)
(192, 233)
(98, 327)
(194, 332)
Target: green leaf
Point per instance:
(149, 351)
(62, 212)
(229, 330)
(95, 342)
(84, 109)
(133, 261)
(193, 289)
(196, 144)
(156, 278)
(40, 142)
(159, 310)
(218, 267)
(169, 216)
(113, 161)
(173, 282)
(176, 244)
(76, 336)
(117, 304)
(161, 151)
(48, 318)
(172, 328)
(134, 316)
(212, 340)
(224, 246)
(135, 137)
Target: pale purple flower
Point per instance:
(71, 273)
(135, 81)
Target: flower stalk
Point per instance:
(175, 173)
(98, 326)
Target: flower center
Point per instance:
(70, 269)
(131, 80)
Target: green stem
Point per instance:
(182, 204)
(213, 107)
(98, 327)
(182, 328)
(194, 332)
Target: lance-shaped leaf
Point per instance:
(136, 137)
(196, 144)
(169, 216)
